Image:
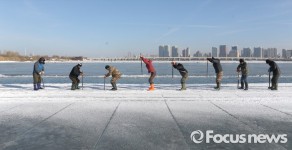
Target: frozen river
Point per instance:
(133, 118)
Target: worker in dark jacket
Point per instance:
(183, 72)
(242, 67)
(276, 73)
(75, 72)
(116, 75)
(218, 71)
(151, 70)
(38, 71)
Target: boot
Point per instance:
(246, 86)
(151, 88)
(39, 86)
(218, 86)
(183, 87)
(35, 87)
(114, 87)
(73, 86)
(77, 86)
(275, 87)
(242, 84)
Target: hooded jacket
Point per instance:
(216, 64)
(273, 67)
(75, 72)
(113, 71)
(149, 64)
(180, 68)
(243, 68)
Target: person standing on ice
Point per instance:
(242, 67)
(38, 71)
(183, 72)
(75, 72)
(151, 70)
(116, 75)
(218, 70)
(276, 73)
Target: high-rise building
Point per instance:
(161, 51)
(186, 52)
(174, 51)
(289, 54)
(198, 54)
(257, 52)
(284, 53)
(222, 51)
(164, 51)
(246, 52)
(234, 52)
(270, 53)
(214, 52)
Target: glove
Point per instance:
(41, 73)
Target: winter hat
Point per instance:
(107, 66)
(268, 61)
(79, 64)
(42, 60)
(241, 60)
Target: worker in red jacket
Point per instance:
(151, 70)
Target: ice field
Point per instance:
(133, 118)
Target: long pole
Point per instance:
(207, 68)
(269, 79)
(172, 69)
(104, 84)
(82, 82)
(43, 82)
(141, 66)
(237, 79)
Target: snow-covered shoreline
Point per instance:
(134, 118)
(199, 61)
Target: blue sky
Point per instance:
(108, 28)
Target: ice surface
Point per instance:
(134, 118)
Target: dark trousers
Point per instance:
(244, 78)
(115, 78)
(36, 78)
(184, 78)
(152, 76)
(74, 80)
(275, 79)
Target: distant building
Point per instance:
(164, 51)
(161, 51)
(270, 53)
(198, 54)
(174, 51)
(222, 51)
(257, 52)
(289, 54)
(246, 52)
(214, 52)
(234, 52)
(284, 53)
(186, 52)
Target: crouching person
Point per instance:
(183, 72)
(38, 70)
(276, 73)
(75, 72)
(116, 75)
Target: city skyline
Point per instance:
(114, 28)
